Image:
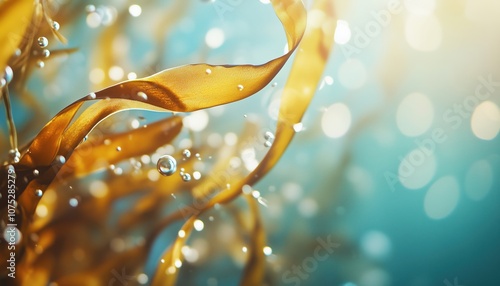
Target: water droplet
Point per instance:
(42, 42)
(55, 26)
(91, 95)
(240, 87)
(45, 53)
(198, 225)
(274, 84)
(186, 153)
(267, 250)
(269, 137)
(186, 177)
(178, 263)
(40, 63)
(73, 202)
(297, 127)
(208, 71)
(142, 95)
(14, 155)
(262, 201)
(9, 74)
(166, 165)
(181, 233)
(18, 52)
(38, 193)
(60, 159)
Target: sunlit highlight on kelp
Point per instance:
(71, 147)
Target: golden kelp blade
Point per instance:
(15, 16)
(298, 92)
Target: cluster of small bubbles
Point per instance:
(55, 26)
(45, 53)
(208, 71)
(38, 193)
(142, 95)
(14, 155)
(42, 42)
(40, 63)
(269, 137)
(166, 165)
(73, 202)
(240, 87)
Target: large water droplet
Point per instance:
(166, 165)
(43, 42)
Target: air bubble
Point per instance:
(240, 87)
(38, 193)
(60, 159)
(40, 63)
(73, 202)
(55, 26)
(208, 71)
(36, 172)
(269, 137)
(118, 148)
(43, 42)
(186, 153)
(14, 155)
(45, 53)
(142, 95)
(166, 165)
(186, 177)
(9, 74)
(91, 95)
